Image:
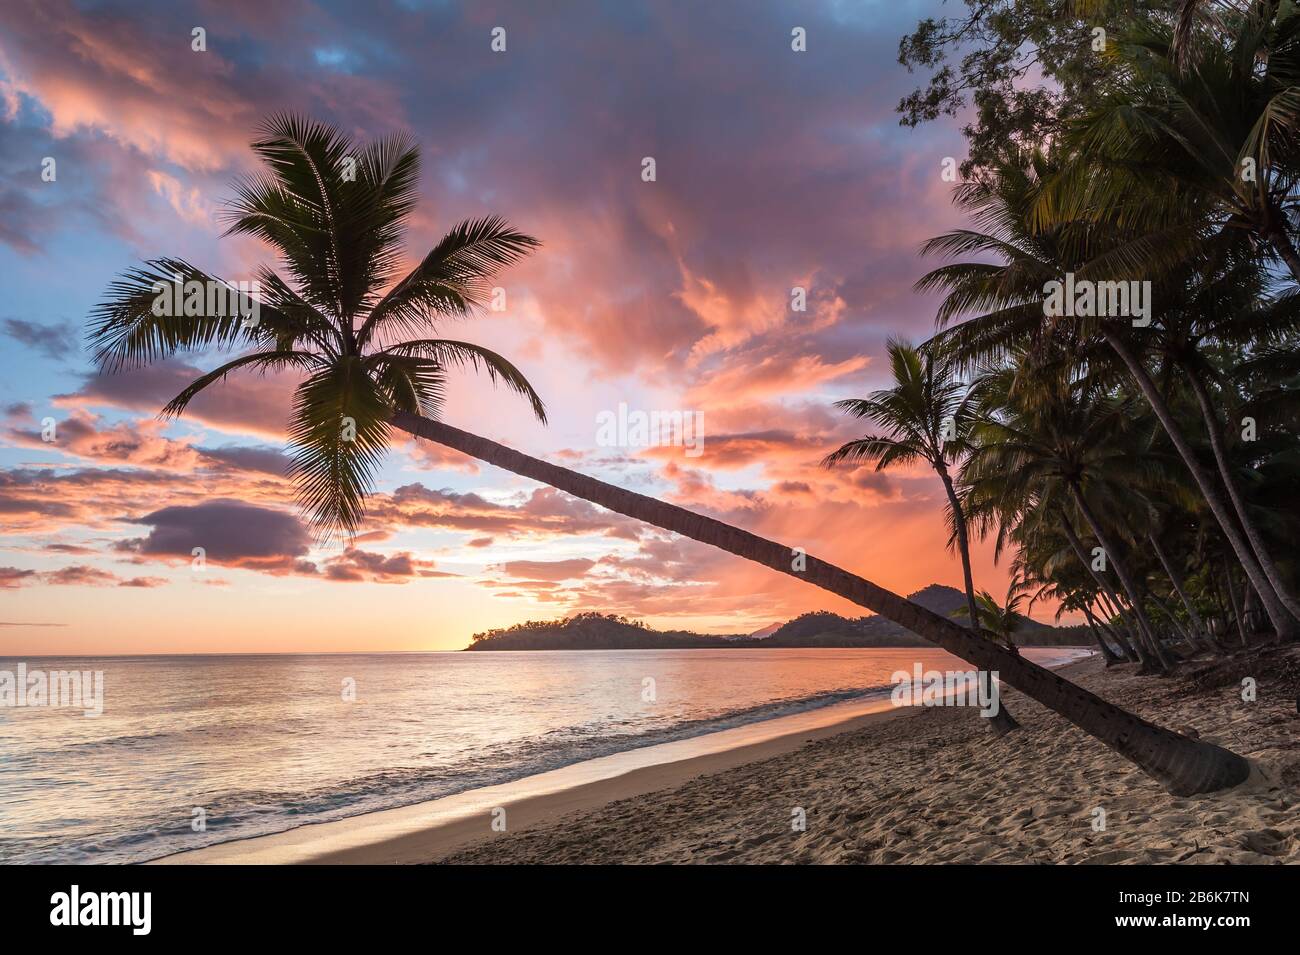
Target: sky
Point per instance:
(774, 169)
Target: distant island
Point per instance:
(597, 631)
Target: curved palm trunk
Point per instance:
(1248, 525)
(1125, 651)
(1182, 765)
(1002, 722)
(1135, 642)
(1121, 571)
(1106, 652)
(1199, 628)
(1284, 624)
(963, 547)
(1124, 625)
(1249, 599)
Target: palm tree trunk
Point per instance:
(1121, 571)
(1125, 651)
(1175, 578)
(963, 546)
(1182, 765)
(1247, 610)
(1284, 624)
(1256, 540)
(1077, 546)
(1236, 612)
(1123, 627)
(1284, 247)
(1107, 653)
(1002, 722)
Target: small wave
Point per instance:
(246, 812)
(279, 812)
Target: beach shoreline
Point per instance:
(428, 830)
(879, 785)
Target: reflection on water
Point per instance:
(265, 743)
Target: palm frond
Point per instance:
(440, 354)
(260, 361)
(167, 306)
(452, 280)
(338, 435)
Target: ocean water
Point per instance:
(254, 744)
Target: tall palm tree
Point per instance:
(1048, 559)
(1054, 437)
(1221, 306)
(337, 226)
(926, 415)
(1032, 515)
(1006, 299)
(1198, 133)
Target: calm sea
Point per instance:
(255, 744)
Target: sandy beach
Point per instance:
(922, 785)
(933, 788)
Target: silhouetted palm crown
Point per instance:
(360, 338)
(925, 415)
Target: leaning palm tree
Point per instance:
(926, 415)
(334, 212)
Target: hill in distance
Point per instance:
(596, 631)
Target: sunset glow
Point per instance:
(671, 295)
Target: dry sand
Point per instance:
(934, 787)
